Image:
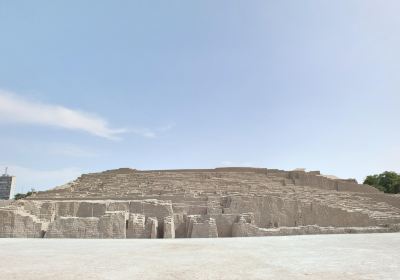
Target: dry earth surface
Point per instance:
(358, 256)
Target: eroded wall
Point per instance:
(217, 217)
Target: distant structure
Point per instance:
(7, 186)
(201, 203)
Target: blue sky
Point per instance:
(93, 85)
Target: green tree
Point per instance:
(388, 182)
(24, 195)
(19, 196)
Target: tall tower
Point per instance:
(7, 186)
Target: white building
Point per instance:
(7, 186)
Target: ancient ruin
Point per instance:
(221, 202)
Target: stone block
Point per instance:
(151, 227)
(136, 226)
(112, 225)
(169, 227)
(152, 208)
(66, 208)
(74, 227)
(201, 227)
(117, 206)
(19, 224)
(91, 209)
(180, 225)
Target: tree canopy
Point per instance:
(388, 182)
(22, 195)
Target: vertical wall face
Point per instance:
(241, 216)
(136, 226)
(151, 228)
(201, 227)
(169, 227)
(112, 225)
(7, 187)
(74, 227)
(271, 211)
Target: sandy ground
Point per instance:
(361, 256)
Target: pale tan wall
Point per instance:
(112, 225)
(136, 226)
(169, 227)
(271, 211)
(74, 227)
(14, 224)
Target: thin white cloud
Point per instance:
(15, 109)
(151, 133)
(145, 132)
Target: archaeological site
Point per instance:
(221, 202)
